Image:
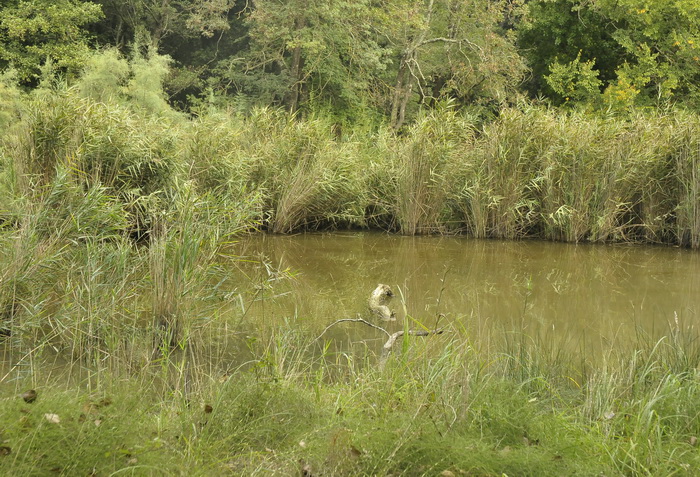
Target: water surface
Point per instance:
(592, 294)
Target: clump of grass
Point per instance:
(180, 255)
(578, 178)
(65, 138)
(493, 190)
(313, 179)
(221, 173)
(687, 177)
(424, 164)
(71, 432)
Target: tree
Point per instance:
(642, 53)
(568, 34)
(448, 48)
(199, 35)
(302, 49)
(32, 31)
(661, 41)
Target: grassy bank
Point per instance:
(144, 363)
(441, 407)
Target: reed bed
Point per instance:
(530, 172)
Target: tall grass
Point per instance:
(529, 173)
(425, 162)
(687, 179)
(494, 197)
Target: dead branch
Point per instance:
(353, 320)
(388, 346)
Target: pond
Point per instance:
(584, 295)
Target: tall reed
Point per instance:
(493, 194)
(425, 161)
(687, 177)
(309, 178)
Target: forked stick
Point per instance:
(387, 348)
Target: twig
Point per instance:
(386, 350)
(353, 320)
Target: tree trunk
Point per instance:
(296, 72)
(293, 98)
(402, 90)
(406, 78)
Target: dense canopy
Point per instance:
(370, 59)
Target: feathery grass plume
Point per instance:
(95, 316)
(104, 76)
(214, 153)
(31, 261)
(38, 256)
(575, 178)
(181, 256)
(576, 175)
(145, 87)
(49, 134)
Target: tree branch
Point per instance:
(352, 320)
(388, 346)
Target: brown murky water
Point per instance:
(592, 294)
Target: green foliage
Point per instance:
(492, 188)
(311, 179)
(660, 44)
(529, 173)
(145, 88)
(10, 100)
(645, 54)
(104, 76)
(98, 143)
(575, 81)
(359, 60)
(79, 433)
(559, 32)
(442, 50)
(515, 409)
(33, 31)
(302, 50)
(136, 83)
